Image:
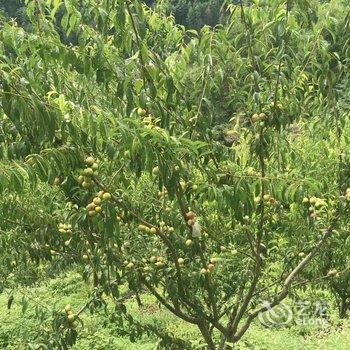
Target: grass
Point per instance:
(101, 332)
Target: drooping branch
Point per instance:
(286, 285)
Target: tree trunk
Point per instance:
(96, 281)
(207, 337)
(138, 299)
(343, 308)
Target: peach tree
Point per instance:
(172, 162)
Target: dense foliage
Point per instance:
(196, 14)
(12, 9)
(192, 14)
(210, 169)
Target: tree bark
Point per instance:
(138, 299)
(96, 280)
(343, 308)
(206, 335)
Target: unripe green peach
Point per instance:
(106, 196)
(86, 184)
(266, 197)
(91, 206)
(141, 112)
(210, 267)
(181, 261)
(313, 200)
(190, 215)
(142, 227)
(97, 200)
(332, 273)
(89, 160)
(262, 116)
(255, 118)
(92, 213)
(190, 222)
(88, 172)
(319, 203)
(188, 242)
(155, 170)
